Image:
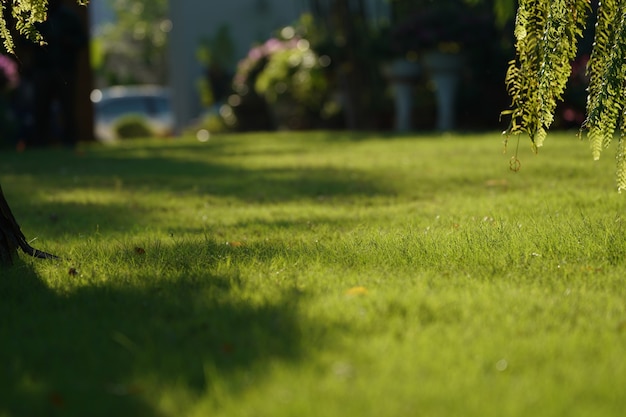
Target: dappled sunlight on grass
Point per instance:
(315, 274)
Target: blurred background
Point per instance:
(163, 68)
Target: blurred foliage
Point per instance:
(134, 48)
(218, 49)
(132, 126)
(294, 73)
(216, 55)
(337, 78)
(448, 25)
(355, 38)
(210, 123)
(468, 27)
(503, 10)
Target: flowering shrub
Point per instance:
(286, 74)
(283, 68)
(9, 75)
(249, 67)
(296, 72)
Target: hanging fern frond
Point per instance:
(607, 71)
(547, 33)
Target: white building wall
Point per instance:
(192, 20)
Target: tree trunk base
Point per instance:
(12, 238)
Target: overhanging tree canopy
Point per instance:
(25, 14)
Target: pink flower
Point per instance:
(257, 55)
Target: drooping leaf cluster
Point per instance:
(606, 104)
(547, 34)
(26, 14)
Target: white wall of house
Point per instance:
(249, 21)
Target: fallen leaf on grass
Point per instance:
(235, 244)
(496, 183)
(357, 291)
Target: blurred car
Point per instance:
(151, 103)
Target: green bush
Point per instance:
(132, 126)
(286, 81)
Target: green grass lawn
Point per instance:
(316, 274)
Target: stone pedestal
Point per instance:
(402, 75)
(444, 70)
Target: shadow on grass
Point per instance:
(131, 178)
(276, 184)
(100, 349)
(203, 169)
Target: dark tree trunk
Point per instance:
(12, 238)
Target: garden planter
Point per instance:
(402, 75)
(444, 70)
